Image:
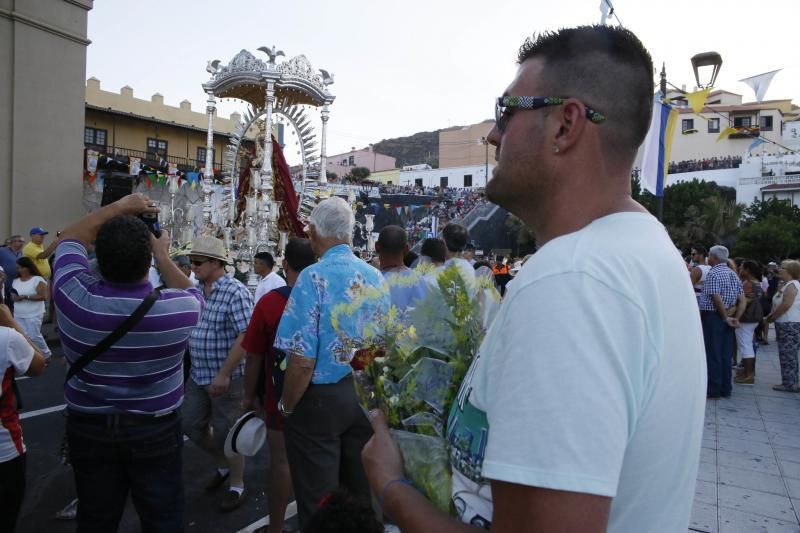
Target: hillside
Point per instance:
(420, 148)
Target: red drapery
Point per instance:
(284, 191)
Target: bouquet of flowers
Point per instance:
(412, 365)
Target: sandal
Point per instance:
(785, 388)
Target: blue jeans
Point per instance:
(719, 341)
(113, 455)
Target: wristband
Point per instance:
(389, 485)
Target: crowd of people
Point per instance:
(588, 391)
(738, 300)
(709, 163)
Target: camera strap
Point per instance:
(114, 336)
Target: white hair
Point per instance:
(333, 218)
(720, 252)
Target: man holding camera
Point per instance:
(123, 425)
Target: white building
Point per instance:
(696, 134)
(471, 176)
(772, 173)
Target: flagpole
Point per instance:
(660, 197)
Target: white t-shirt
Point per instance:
(15, 358)
(575, 386)
(269, 282)
(27, 308)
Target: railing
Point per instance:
(154, 158)
(482, 211)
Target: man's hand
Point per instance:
(161, 245)
(219, 385)
(135, 204)
(733, 322)
(381, 456)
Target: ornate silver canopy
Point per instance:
(246, 76)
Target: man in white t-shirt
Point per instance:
(263, 263)
(572, 416)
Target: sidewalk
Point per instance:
(749, 477)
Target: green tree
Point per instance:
(770, 239)
(679, 196)
(721, 219)
(525, 239)
(358, 174)
(760, 210)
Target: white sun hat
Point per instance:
(246, 437)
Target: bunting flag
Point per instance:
(727, 131)
(172, 169)
(755, 144)
(760, 83)
(162, 179)
(192, 179)
(697, 100)
(135, 166)
(657, 147)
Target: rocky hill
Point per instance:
(417, 149)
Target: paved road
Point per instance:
(51, 486)
(749, 478)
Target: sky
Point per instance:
(419, 65)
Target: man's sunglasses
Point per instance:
(197, 262)
(506, 106)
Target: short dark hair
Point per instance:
(700, 249)
(606, 67)
(433, 248)
(392, 240)
(409, 258)
(266, 257)
(299, 254)
(123, 248)
(27, 262)
(752, 267)
(455, 237)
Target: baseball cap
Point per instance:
(38, 231)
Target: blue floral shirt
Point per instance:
(334, 306)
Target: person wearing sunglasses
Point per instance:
(583, 409)
(214, 390)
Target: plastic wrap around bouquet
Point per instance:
(412, 365)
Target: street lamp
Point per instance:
(710, 63)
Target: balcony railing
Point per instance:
(154, 159)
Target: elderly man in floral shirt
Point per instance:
(333, 305)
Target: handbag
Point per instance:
(754, 312)
(115, 335)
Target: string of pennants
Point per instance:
(142, 172)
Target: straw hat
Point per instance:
(212, 247)
(246, 437)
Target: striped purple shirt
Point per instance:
(143, 371)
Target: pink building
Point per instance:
(341, 164)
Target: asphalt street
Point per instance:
(51, 485)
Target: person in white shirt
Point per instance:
(17, 357)
(263, 263)
(572, 416)
(29, 291)
(186, 267)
